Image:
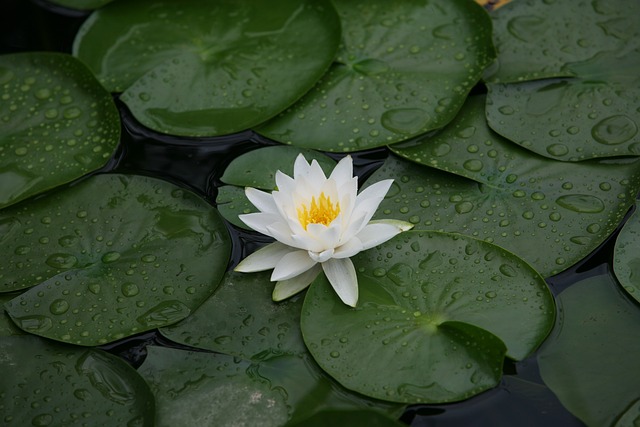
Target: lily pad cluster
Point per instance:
(503, 189)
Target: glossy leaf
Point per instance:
(7, 327)
(626, 255)
(404, 68)
(47, 383)
(551, 214)
(433, 313)
(589, 362)
(209, 68)
(58, 123)
(195, 388)
(592, 111)
(114, 255)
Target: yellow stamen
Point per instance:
(320, 211)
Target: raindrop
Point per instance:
(371, 67)
(508, 270)
(165, 313)
(42, 420)
(506, 110)
(129, 289)
(614, 130)
(407, 121)
(59, 306)
(473, 165)
(110, 257)
(582, 203)
(61, 260)
(464, 207)
(557, 149)
(526, 28)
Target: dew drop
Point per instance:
(407, 121)
(473, 165)
(582, 203)
(557, 149)
(59, 306)
(61, 260)
(129, 289)
(614, 130)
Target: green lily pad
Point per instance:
(257, 169)
(58, 123)
(590, 361)
(47, 383)
(404, 68)
(213, 68)
(240, 319)
(592, 111)
(217, 389)
(7, 327)
(114, 255)
(551, 214)
(353, 418)
(626, 255)
(433, 313)
(81, 4)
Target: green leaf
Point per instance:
(209, 68)
(590, 361)
(217, 389)
(433, 313)
(81, 4)
(352, 418)
(7, 327)
(551, 214)
(590, 113)
(404, 68)
(626, 255)
(240, 319)
(258, 168)
(58, 123)
(47, 383)
(115, 255)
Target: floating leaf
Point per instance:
(589, 362)
(433, 313)
(209, 68)
(404, 68)
(626, 256)
(47, 383)
(217, 389)
(58, 123)
(257, 169)
(551, 214)
(593, 111)
(114, 255)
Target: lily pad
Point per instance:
(591, 111)
(217, 389)
(589, 362)
(626, 256)
(433, 313)
(404, 68)
(551, 214)
(47, 383)
(240, 319)
(114, 255)
(209, 68)
(81, 4)
(58, 123)
(257, 169)
(7, 327)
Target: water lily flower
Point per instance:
(318, 224)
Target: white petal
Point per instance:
(376, 191)
(300, 167)
(291, 265)
(264, 258)
(282, 233)
(349, 249)
(377, 232)
(342, 276)
(261, 200)
(284, 182)
(343, 172)
(316, 174)
(287, 288)
(261, 222)
(321, 256)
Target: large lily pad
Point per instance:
(47, 383)
(114, 255)
(590, 362)
(433, 313)
(552, 214)
(593, 112)
(209, 67)
(626, 256)
(58, 123)
(404, 68)
(217, 389)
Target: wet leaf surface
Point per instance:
(404, 68)
(191, 70)
(626, 256)
(58, 123)
(112, 256)
(552, 214)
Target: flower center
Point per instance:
(320, 211)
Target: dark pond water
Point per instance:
(521, 399)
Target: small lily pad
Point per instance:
(404, 68)
(112, 256)
(433, 317)
(58, 123)
(626, 255)
(47, 383)
(552, 214)
(590, 361)
(196, 69)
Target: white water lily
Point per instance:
(318, 223)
